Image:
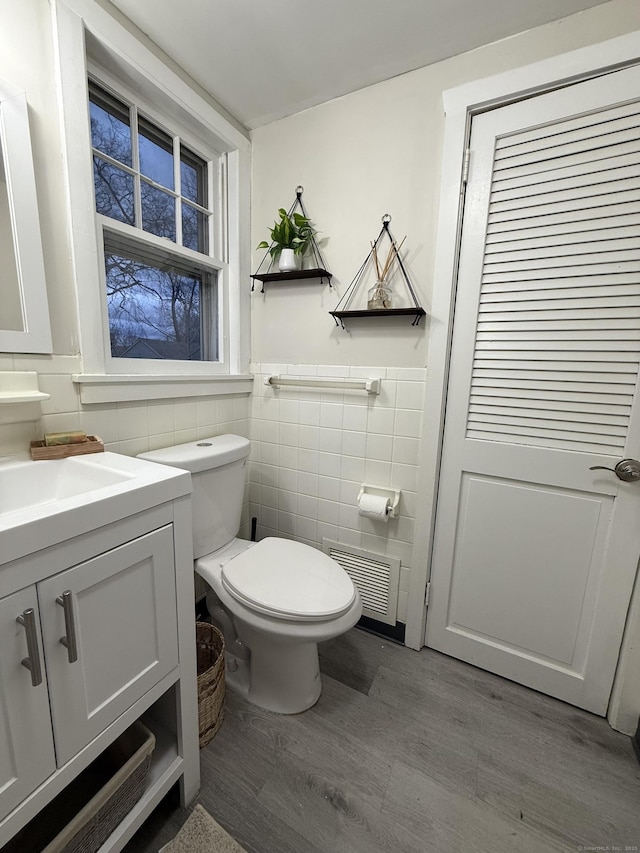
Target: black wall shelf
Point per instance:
(416, 312)
(265, 278)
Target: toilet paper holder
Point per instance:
(393, 496)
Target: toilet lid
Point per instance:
(288, 579)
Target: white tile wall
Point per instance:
(313, 448)
(127, 428)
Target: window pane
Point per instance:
(158, 212)
(157, 312)
(194, 229)
(193, 173)
(156, 154)
(114, 191)
(110, 130)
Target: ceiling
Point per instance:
(266, 59)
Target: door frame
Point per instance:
(460, 105)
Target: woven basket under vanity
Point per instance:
(210, 653)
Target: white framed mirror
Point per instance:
(24, 311)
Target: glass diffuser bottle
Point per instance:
(379, 296)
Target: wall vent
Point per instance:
(376, 576)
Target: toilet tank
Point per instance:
(217, 467)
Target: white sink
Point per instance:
(50, 501)
(30, 484)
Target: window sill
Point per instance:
(96, 388)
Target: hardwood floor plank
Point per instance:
(559, 739)
(589, 817)
(257, 828)
(240, 750)
(448, 822)
(347, 660)
(332, 817)
(430, 744)
(311, 740)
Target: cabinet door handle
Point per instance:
(28, 621)
(69, 641)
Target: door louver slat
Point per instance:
(565, 249)
(585, 232)
(595, 122)
(557, 351)
(597, 159)
(610, 168)
(537, 285)
(575, 143)
(574, 218)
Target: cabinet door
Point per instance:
(26, 743)
(121, 608)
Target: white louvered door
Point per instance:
(535, 555)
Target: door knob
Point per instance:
(626, 469)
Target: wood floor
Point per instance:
(411, 752)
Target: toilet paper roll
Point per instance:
(374, 506)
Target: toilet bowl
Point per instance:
(272, 630)
(274, 600)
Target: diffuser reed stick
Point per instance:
(374, 252)
(393, 251)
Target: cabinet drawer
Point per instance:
(121, 610)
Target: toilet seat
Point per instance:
(261, 578)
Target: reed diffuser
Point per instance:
(380, 296)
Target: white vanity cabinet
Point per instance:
(105, 622)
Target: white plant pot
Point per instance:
(287, 261)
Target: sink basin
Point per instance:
(29, 484)
(49, 501)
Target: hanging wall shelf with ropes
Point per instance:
(319, 270)
(383, 271)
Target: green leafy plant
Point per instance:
(289, 232)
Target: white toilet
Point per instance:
(274, 600)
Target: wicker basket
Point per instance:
(83, 816)
(210, 650)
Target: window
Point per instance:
(153, 201)
(171, 175)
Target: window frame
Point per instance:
(89, 41)
(161, 247)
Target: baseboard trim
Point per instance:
(391, 632)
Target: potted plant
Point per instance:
(291, 236)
